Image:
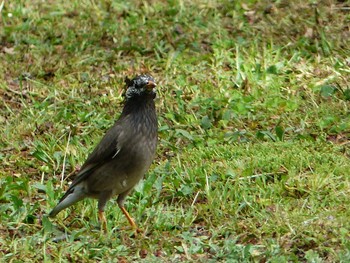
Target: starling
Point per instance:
(124, 154)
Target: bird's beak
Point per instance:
(150, 85)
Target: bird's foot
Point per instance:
(136, 231)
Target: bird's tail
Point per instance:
(72, 196)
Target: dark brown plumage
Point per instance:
(124, 154)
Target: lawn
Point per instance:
(253, 107)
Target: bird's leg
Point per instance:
(102, 219)
(120, 201)
(131, 221)
(102, 200)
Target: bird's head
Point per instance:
(142, 85)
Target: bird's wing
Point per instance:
(107, 149)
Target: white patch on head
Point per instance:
(137, 86)
(132, 91)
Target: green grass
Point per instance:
(254, 115)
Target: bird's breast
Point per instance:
(135, 155)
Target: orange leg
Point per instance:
(103, 220)
(131, 221)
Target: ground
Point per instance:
(254, 125)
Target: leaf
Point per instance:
(347, 94)
(205, 122)
(148, 183)
(47, 225)
(327, 90)
(17, 202)
(279, 132)
(246, 252)
(272, 69)
(39, 186)
(40, 155)
(275, 69)
(186, 190)
(184, 133)
(163, 128)
(261, 135)
(226, 115)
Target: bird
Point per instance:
(123, 155)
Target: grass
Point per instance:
(253, 159)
